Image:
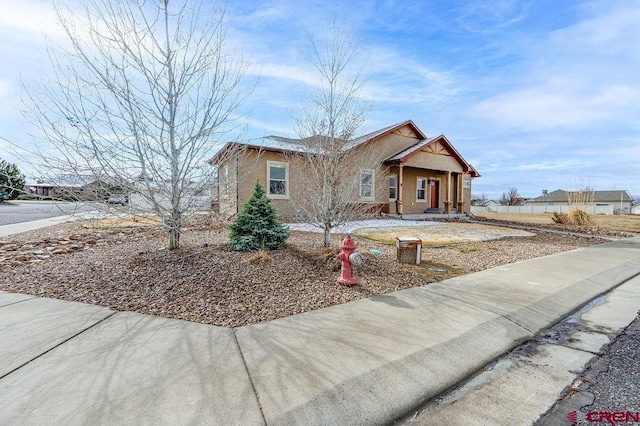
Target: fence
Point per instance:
(608, 209)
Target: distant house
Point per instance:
(488, 203)
(69, 186)
(635, 209)
(620, 200)
(419, 173)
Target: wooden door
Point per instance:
(434, 193)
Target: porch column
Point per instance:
(447, 202)
(460, 200)
(400, 204)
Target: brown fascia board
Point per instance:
(466, 166)
(216, 158)
(410, 123)
(220, 154)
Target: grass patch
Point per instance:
(429, 236)
(121, 222)
(619, 223)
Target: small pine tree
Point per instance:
(257, 226)
(12, 182)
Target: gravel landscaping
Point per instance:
(205, 281)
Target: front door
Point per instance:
(434, 192)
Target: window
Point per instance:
(366, 184)
(393, 187)
(277, 176)
(421, 189)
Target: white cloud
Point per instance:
(581, 75)
(551, 106)
(27, 16)
(482, 16)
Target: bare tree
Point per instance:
(331, 163)
(510, 197)
(140, 100)
(477, 200)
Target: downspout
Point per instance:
(237, 185)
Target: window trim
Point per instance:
(284, 196)
(393, 175)
(373, 187)
(426, 189)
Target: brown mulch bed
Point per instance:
(205, 281)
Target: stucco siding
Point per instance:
(434, 161)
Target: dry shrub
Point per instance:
(260, 256)
(580, 217)
(325, 255)
(576, 217)
(560, 218)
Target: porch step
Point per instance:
(434, 211)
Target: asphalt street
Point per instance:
(608, 390)
(618, 384)
(18, 212)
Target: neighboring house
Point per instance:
(620, 200)
(488, 203)
(420, 174)
(635, 209)
(57, 186)
(78, 187)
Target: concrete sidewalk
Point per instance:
(371, 361)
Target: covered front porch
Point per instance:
(414, 190)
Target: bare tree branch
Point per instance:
(144, 96)
(337, 181)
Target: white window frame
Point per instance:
(373, 188)
(286, 180)
(425, 189)
(391, 176)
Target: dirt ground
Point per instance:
(614, 224)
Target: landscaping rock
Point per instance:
(205, 281)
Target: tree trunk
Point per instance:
(174, 231)
(327, 236)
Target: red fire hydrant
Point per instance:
(348, 257)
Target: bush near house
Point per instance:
(257, 226)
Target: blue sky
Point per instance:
(535, 94)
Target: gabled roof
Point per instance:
(370, 137)
(283, 144)
(403, 156)
(62, 180)
(560, 195)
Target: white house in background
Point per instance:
(488, 203)
(620, 200)
(635, 209)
